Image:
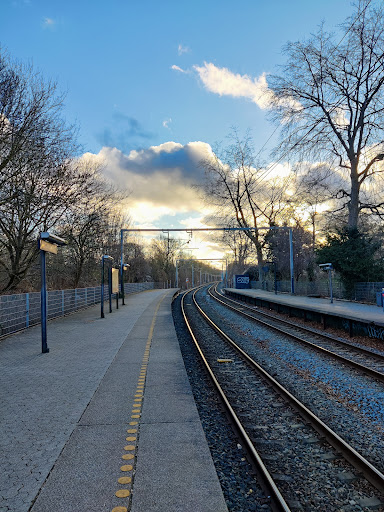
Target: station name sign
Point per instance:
(47, 246)
(242, 281)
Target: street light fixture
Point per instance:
(105, 257)
(328, 267)
(124, 266)
(47, 242)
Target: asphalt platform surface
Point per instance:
(340, 308)
(106, 420)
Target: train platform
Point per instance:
(370, 317)
(106, 420)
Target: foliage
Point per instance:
(278, 253)
(353, 256)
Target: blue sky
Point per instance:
(139, 74)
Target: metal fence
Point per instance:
(367, 292)
(363, 292)
(22, 310)
(308, 288)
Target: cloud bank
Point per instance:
(160, 178)
(225, 83)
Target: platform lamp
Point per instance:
(103, 258)
(47, 242)
(125, 266)
(328, 267)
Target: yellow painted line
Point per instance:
(122, 493)
(125, 480)
(128, 467)
(125, 493)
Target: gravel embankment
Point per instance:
(241, 490)
(350, 403)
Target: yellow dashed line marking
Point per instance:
(125, 480)
(125, 493)
(128, 467)
(122, 493)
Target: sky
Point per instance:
(153, 85)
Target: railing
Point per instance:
(363, 292)
(22, 310)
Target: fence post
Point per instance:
(27, 310)
(62, 302)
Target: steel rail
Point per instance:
(278, 503)
(326, 336)
(369, 371)
(372, 474)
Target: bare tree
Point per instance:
(32, 130)
(86, 222)
(38, 198)
(237, 242)
(233, 186)
(330, 103)
(38, 181)
(163, 253)
(312, 196)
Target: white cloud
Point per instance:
(144, 213)
(49, 23)
(167, 122)
(177, 68)
(182, 49)
(225, 83)
(160, 176)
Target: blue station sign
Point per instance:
(242, 281)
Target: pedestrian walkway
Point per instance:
(345, 309)
(106, 420)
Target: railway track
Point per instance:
(362, 359)
(285, 441)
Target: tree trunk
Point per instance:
(353, 205)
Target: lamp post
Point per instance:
(47, 242)
(125, 266)
(327, 267)
(105, 257)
